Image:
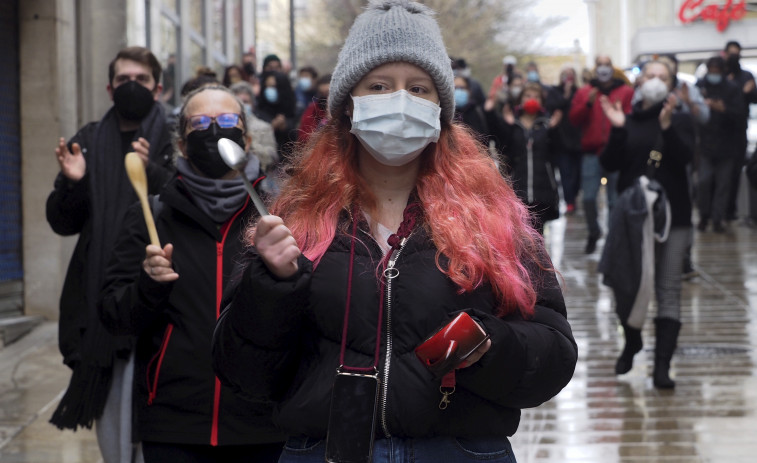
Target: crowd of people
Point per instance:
(402, 194)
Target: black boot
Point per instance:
(632, 347)
(666, 339)
(590, 210)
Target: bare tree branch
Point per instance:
(481, 31)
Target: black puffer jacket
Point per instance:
(281, 340)
(177, 398)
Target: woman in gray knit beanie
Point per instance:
(394, 222)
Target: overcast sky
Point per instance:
(575, 26)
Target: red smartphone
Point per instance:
(448, 347)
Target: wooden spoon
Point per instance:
(135, 169)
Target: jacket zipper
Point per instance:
(551, 176)
(219, 296)
(529, 133)
(152, 386)
(530, 167)
(390, 273)
(217, 384)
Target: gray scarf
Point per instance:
(217, 198)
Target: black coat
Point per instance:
(286, 105)
(531, 154)
(628, 148)
(281, 340)
(740, 78)
(175, 389)
(722, 136)
(71, 210)
(473, 116)
(569, 139)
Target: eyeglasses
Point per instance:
(224, 121)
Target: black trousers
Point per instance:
(160, 452)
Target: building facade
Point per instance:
(55, 56)
(632, 30)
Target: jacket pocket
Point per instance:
(154, 366)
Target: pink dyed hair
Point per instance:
(475, 219)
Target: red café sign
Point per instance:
(722, 15)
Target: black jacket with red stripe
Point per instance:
(177, 398)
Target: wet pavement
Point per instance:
(599, 417)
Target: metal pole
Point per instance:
(292, 48)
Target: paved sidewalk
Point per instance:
(603, 418)
(32, 381)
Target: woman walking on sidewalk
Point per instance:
(394, 222)
(653, 128)
(169, 297)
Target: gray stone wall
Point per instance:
(64, 56)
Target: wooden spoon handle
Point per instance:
(135, 169)
(149, 221)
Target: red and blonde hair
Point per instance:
(474, 217)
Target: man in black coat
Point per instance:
(569, 146)
(720, 144)
(91, 195)
(745, 81)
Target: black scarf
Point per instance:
(111, 194)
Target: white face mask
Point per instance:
(653, 91)
(395, 127)
(604, 73)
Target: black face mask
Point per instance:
(249, 68)
(733, 63)
(132, 100)
(202, 149)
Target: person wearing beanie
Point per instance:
(394, 222)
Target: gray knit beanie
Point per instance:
(390, 31)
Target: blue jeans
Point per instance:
(397, 450)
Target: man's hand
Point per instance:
(749, 86)
(555, 119)
(279, 122)
(684, 94)
(489, 104)
(507, 114)
(72, 165)
(613, 111)
(142, 148)
(593, 94)
(716, 104)
(567, 88)
(666, 115)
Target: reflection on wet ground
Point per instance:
(711, 416)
